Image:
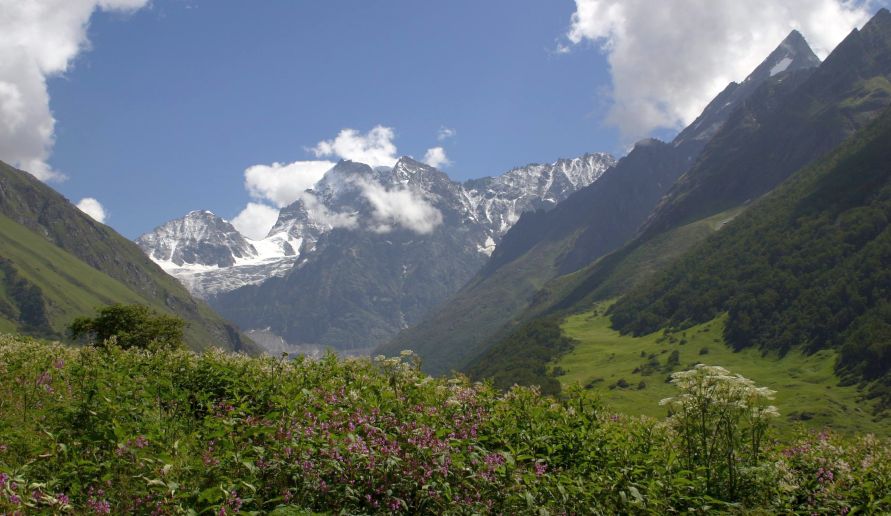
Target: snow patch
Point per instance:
(781, 66)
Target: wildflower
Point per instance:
(540, 468)
(44, 380)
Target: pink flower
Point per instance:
(540, 468)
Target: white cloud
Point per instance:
(445, 133)
(374, 148)
(93, 208)
(282, 184)
(40, 39)
(255, 220)
(321, 214)
(399, 207)
(436, 158)
(669, 58)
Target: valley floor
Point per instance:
(630, 373)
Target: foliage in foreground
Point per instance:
(130, 431)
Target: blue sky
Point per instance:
(159, 107)
(173, 102)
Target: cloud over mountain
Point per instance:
(436, 157)
(374, 148)
(669, 58)
(93, 208)
(255, 220)
(281, 183)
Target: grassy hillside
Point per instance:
(68, 287)
(87, 430)
(625, 269)
(45, 227)
(806, 268)
(629, 373)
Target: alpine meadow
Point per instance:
(507, 257)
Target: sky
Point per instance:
(142, 110)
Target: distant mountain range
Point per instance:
(347, 265)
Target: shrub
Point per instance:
(130, 326)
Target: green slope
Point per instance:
(68, 286)
(808, 267)
(781, 127)
(807, 387)
(61, 252)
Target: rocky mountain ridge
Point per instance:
(208, 255)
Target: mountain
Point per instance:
(767, 141)
(208, 255)
(589, 224)
(807, 267)
(787, 125)
(57, 263)
(363, 254)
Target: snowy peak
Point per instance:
(210, 257)
(199, 238)
(792, 54)
(497, 202)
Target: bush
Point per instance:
(130, 326)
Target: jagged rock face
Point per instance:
(198, 238)
(208, 255)
(498, 202)
(791, 55)
(363, 254)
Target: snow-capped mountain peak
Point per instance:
(207, 254)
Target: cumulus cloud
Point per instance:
(436, 158)
(374, 148)
(669, 58)
(283, 184)
(399, 207)
(255, 220)
(93, 208)
(40, 39)
(445, 133)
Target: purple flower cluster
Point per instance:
(97, 502)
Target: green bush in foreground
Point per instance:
(107, 430)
